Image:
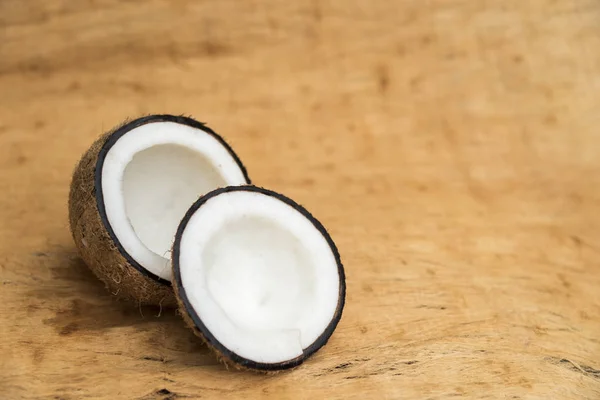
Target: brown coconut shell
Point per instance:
(193, 321)
(93, 236)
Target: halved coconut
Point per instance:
(130, 191)
(257, 277)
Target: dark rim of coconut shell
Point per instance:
(212, 341)
(112, 139)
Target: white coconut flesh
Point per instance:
(260, 276)
(150, 177)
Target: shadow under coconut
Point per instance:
(85, 304)
(80, 304)
(83, 299)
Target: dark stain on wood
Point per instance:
(563, 280)
(38, 355)
(343, 365)
(68, 329)
(383, 78)
(583, 369)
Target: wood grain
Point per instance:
(451, 147)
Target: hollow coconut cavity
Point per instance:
(130, 191)
(257, 277)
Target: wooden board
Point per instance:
(450, 146)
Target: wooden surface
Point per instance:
(451, 147)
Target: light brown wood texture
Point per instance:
(451, 147)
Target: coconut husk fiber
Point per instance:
(99, 251)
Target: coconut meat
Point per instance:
(259, 275)
(151, 176)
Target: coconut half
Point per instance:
(257, 277)
(130, 191)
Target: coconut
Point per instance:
(130, 191)
(257, 277)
